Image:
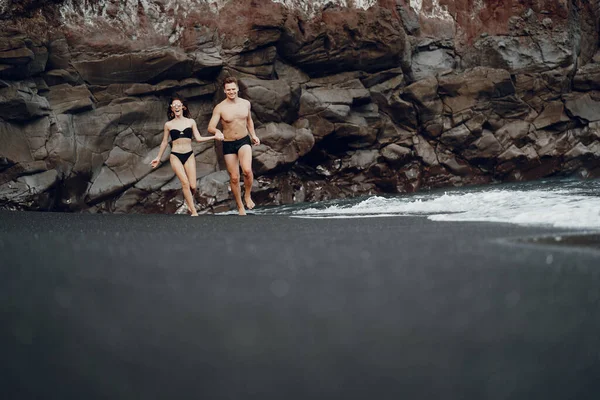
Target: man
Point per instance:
(239, 136)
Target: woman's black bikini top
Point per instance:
(177, 134)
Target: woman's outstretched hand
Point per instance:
(155, 162)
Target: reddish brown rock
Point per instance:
(347, 101)
(343, 39)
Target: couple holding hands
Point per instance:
(238, 136)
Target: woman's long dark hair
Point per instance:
(186, 110)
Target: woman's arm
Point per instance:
(200, 138)
(163, 146)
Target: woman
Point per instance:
(180, 127)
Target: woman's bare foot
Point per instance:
(195, 215)
(241, 211)
(249, 203)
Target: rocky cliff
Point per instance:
(349, 97)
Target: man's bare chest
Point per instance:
(232, 114)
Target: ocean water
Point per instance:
(564, 203)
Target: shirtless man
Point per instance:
(238, 131)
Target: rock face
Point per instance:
(348, 97)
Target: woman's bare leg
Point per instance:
(185, 184)
(190, 171)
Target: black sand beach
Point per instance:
(273, 307)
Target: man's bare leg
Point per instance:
(245, 156)
(233, 168)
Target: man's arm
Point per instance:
(200, 138)
(250, 126)
(214, 120)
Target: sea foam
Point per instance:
(562, 204)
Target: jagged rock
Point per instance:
(391, 133)
(593, 131)
(62, 76)
(529, 54)
(404, 113)
(459, 136)
(16, 193)
(272, 100)
(128, 201)
(21, 56)
(356, 131)
(15, 148)
(319, 126)
(454, 165)
(20, 102)
(430, 60)
(281, 144)
(475, 123)
(425, 151)
(259, 62)
(410, 178)
(148, 66)
(584, 107)
(207, 61)
(461, 92)
(360, 160)
(59, 54)
(214, 187)
(156, 179)
(384, 82)
(12, 171)
(292, 75)
(190, 88)
(30, 192)
(579, 156)
(516, 132)
(587, 77)
(37, 132)
(553, 113)
(395, 154)
(344, 39)
(105, 184)
(578, 152)
(331, 105)
(484, 149)
(512, 154)
(424, 95)
(400, 96)
(40, 182)
(128, 167)
(69, 99)
(206, 159)
(410, 19)
(552, 146)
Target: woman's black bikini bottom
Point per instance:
(183, 157)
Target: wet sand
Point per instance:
(273, 307)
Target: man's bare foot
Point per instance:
(249, 203)
(195, 215)
(241, 211)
